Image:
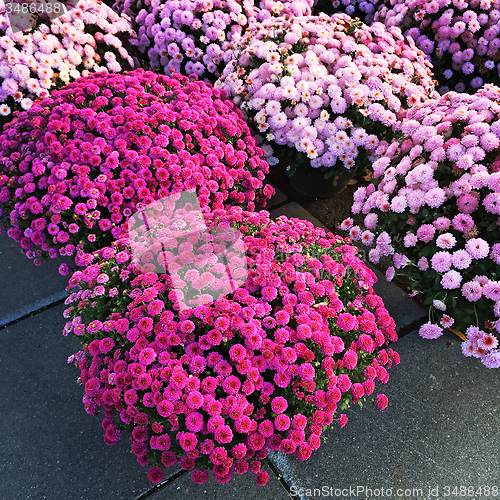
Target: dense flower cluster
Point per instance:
(214, 386)
(278, 8)
(89, 38)
(76, 165)
(362, 9)
(331, 88)
(460, 37)
(435, 207)
(189, 37)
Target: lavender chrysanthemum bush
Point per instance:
(213, 385)
(362, 9)
(330, 91)
(89, 38)
(76, 165)
(434, 207)
(189, 37)
(460, 37)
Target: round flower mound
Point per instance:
(461, 38)
(435, 206)
(332, 89)
(266, 367)
(189, 37)
(76, 165)
(364, 10)
(89, 38)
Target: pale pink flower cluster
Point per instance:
(89, 38)
(461, 38)
(325, 87)
(190, 36)
(436, 201)
(268, 8)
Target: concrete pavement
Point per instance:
(440, 429)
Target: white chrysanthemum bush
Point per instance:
(328, 91)
(434, 207)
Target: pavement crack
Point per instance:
(281, 479)
(32, 310)
(160, 486)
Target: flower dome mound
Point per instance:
(215, 386)
(434, 207)
(461, 38)
(330, 88)
(75, 166)
(189, 36)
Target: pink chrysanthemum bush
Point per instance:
(214, 384)
(434, 207)
(76, 165)
(362, 9)
(89, 38)
(328, 92)
(460, 37)
(189, 37)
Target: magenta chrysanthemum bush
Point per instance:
(214, 386)
(331, 90)
(89, 38)
(189, 37)
(434, 207)
(76, 165)
(460, 37)
(362, 9)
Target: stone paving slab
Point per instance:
(293, 209)
(402, 308)
(440, 428)
(24, 287)
(51, 448)
(277, 199)
(238, 488)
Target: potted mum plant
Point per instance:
(434, 207)
(214, 382)
(89, 38)
(459, 38)
(192, 37)
(76, 165)
(329, 91)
